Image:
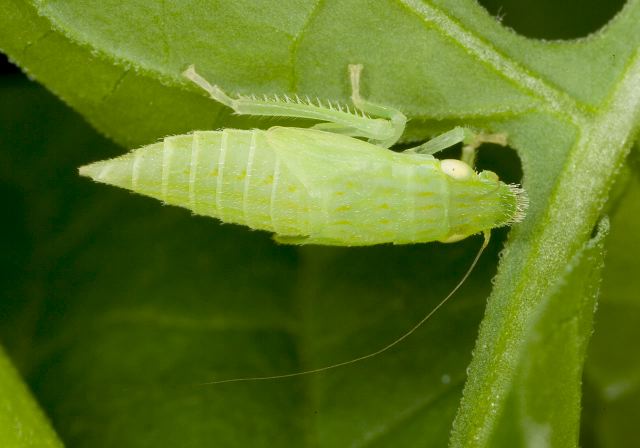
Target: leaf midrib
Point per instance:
(553, 241)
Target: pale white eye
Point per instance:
(456, 169)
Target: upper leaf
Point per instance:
(129, 56)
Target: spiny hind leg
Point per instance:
(276, 106)
(336, 118)
(336, 128)
(214, 91)
(397, 119)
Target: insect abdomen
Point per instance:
(232, 175)
(395, 202)
(315, 186)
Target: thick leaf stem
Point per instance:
(539, 252)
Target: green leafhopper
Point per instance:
(324, 184)
(321, 185)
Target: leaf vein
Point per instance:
(296, 43)
(489, 55)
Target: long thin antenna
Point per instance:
(392, 344)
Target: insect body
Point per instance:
(320, 185)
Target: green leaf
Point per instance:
(556, 341)
(131, 108)
(612, 370)
(571, 110)
(22, 423)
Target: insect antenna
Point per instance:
(373, 354)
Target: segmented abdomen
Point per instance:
(322, 187)
(231, 174)
(399, 201)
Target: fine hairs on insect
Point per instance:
(336, 183)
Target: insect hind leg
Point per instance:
(384, 131)
(396, 118)
(276, 106)
(337, 119)
(214, 91)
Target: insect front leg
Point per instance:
(471, 141)
(442, 141)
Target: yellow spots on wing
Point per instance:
(425, 194)
(384, 206)
(292, 189)
(384, 221)
(215, 172)
(344, 208)
(339, 193)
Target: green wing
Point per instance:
(320, 158)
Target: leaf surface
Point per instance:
(22, 423)
(571, 110)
